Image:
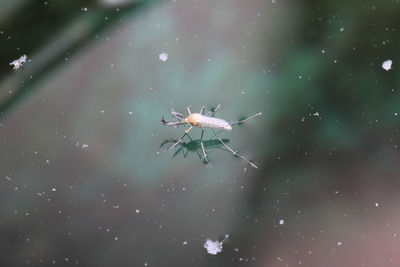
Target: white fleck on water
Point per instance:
(214, 247)
(387, 65)
(163, 57)
(281, 222)
(17, 63)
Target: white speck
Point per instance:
(18, 62)
(341, 29)
(281, 222)
(214, 247)
(137, 211)
(339, 243)
(85, 145)
(184, 243)
(47, 161)
(302, 119)
(387, 65)
(130, 112)
(84, 9)
(101, 111)
(145, 264)
(395, 113)
(376, 204)
(115, 207)
(53, 189)
(116, 238)
(8, 178)
(323, 51)
(163, 57)
(316, 114)
(236, 249)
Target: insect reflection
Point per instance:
(194, 146)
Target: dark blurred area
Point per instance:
(84, 179)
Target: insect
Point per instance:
(202, 120)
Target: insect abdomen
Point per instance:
(205, 121)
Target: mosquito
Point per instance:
(203, 121)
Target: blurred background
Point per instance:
(84, 179)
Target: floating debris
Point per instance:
(18, 62)
(387, 65)
(214, 247)
(163, 57)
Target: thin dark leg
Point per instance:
(180, 140)
(234, 152)
(202, 146)
(201, 140)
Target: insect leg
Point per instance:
(202, 146)
(237, 122)
(177, 115)
(180, 140)
(201, 140)
(233, 152)
(215, 111)
(188, 110)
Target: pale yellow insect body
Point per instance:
(202, 121)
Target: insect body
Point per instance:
(201, 120)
